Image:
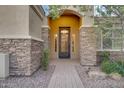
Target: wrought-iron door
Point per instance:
(64, 42)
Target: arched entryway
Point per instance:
(72, 36)
(64, 35)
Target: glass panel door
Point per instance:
(64, 42)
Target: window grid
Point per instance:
(115, 41)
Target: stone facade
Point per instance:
(36, 55)
(114, 55)
(25, 55)
(87, 46)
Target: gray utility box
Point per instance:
(4, 65)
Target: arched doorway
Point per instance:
(64, 35)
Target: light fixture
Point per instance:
(55, 35)
(64, 31)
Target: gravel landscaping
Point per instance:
(39, 79)
(90, 82)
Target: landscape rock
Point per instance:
(40, 79)
(98, 83)
(97, 75)
(115, 76)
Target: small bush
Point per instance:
(45, 59)
(108, 67)
(105, 55)
(120, 68)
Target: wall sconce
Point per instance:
(55, 35)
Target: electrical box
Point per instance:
(4, 65)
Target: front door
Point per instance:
(64, 42)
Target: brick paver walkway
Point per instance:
(65, 75)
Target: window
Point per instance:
(109, 39)
(117, 39)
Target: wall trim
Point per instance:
(34, 7)
(88, 26)
(37, 39)
(102, 50)
(20, 37)
(45, 27)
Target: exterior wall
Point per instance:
(87, 46)
(88, 20)
(14, 21)
(45, 36)
(20, 28)
(35, 24)
(65, 21)
(25, 55)
(36, 31)
(19, 51)
(36, 55)
(20, 21)
(114, 55)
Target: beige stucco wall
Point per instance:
(35, 24)
(14, 21)
(21, 21)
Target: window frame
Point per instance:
(101, 48)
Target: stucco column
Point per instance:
(87, 46)
(45, 36)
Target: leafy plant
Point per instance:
(56, 10)
(105, 55)
(109, 67)
(120, 67)
(45, 59)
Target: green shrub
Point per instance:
(121, 63)
(108, 67)
(45, 59)
(120, 68)
(105, 55)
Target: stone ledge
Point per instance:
(19, 37)
(45, 27)
(88, 26)
(97, 75)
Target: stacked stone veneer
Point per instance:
(114, 55)
(87, 46)
(36, 54)
(25, 55)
